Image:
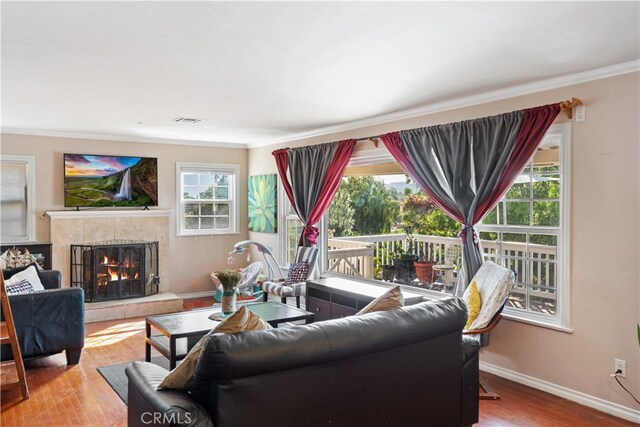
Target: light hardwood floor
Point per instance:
(64, 395)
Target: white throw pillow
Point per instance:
(494, 284)
(30, 275)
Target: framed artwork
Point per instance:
(263, 204)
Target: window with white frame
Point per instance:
(207, 199)
(292, 226)
(17, 198)
(527, 232)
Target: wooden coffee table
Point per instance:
(181, 331)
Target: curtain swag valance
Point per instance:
(315, 172)
(465, 167)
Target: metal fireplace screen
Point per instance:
(115, 269)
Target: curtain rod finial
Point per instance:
(567, 106)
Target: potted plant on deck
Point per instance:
(404, 259)
(424, 269)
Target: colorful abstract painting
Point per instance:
(263, 203)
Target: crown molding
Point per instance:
(466, 101)
(121, 138)
(452, 104)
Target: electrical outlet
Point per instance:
(581, 111)
(620, 365)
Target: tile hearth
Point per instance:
(123, 309)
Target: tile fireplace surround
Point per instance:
(81, 227)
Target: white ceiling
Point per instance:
(264, 72)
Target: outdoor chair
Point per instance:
(446, 271)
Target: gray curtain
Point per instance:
(466, 167)
(462, 163)
(307, 170)
(315, 173)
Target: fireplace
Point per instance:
(115, 269)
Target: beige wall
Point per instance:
(605, 272)
(191, 259)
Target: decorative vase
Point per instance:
(228, 302)
(424, 270)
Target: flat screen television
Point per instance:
(106, 181)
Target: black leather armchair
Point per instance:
(50, 321)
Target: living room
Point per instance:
(107, 79)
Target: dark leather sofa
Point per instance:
(407, 367)
(50, 321)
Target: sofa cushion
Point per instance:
(298, 272)
(390, 300)
(29, 275)
(494, 285)
(474, 303)
(240, 321)
(22, 287)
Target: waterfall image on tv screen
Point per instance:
(95, 181)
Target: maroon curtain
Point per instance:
(282, 163)
(314, 180)
(535, 125)
(331, 183)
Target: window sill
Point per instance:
(539, 323)
(434, 295)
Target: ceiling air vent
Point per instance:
(186, 120)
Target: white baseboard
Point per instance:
(611, 408)
(192, 295)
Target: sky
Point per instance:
(84, 165)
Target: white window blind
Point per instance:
(17, 204)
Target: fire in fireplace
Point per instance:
(115, 269)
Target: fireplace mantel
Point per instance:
(70, 214)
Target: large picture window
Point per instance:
(528, 232)
(207, 198)
(17, 198)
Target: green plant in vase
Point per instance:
(229, 279)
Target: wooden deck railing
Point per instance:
(536, 270)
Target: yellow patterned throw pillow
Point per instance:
(474, 303)
(390, 300)
(240, 321)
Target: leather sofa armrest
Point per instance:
(163, 407)
(51, 279)
(470, 348)
(470, 379)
